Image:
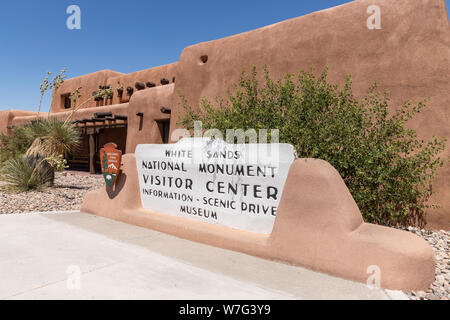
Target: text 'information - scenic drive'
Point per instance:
(237, 186)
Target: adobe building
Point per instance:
(409, 55)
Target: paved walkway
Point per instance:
(41, 255)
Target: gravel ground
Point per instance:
(70, 189)
(67, 195)
(440, 289)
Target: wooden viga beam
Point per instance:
(120, 117)
(102, 114)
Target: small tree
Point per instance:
(387, 168)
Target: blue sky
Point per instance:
(125, 36)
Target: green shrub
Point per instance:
(387, 168)
(26, 173)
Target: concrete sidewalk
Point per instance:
(41, 254)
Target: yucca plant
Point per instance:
(53, 141)
(26, 173)
(60, 139)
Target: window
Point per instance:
(67, 101)
(164, 130)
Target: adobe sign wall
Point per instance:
(301, 211)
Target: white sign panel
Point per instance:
(237, 186)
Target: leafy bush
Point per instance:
(26, 173)
(387, 168)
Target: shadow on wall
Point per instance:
(120, 183)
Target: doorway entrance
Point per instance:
(95, 133)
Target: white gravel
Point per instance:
(440, 241)
(67, 194)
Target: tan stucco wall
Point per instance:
(89, 83)
(149, 75)
(148, 102)
(7, 117)
(84, 113)
(92, 81)
(410, 56)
